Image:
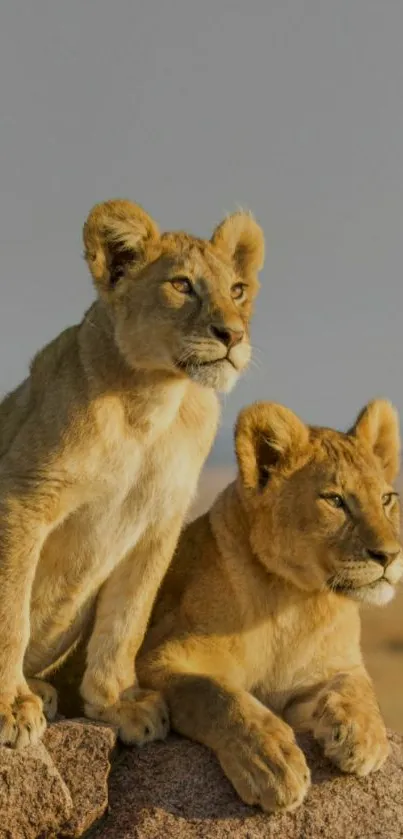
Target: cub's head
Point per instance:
(321, 506)
(177, 303)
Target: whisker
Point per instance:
(256, 350)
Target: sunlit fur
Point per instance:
(158, 327)
(320, 545)
(256, 630)
(100, 451)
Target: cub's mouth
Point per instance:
(194, 362)
(378, 592)
(220, 374)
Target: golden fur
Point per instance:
(256, 629)
(100, 452)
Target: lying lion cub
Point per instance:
(256, 630)
(100, 452)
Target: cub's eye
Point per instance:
(238, 291)
(182, 284)
(388, 498)
(334, 499)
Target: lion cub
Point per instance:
(100, 452)
(256, 630)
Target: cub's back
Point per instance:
(27, 398)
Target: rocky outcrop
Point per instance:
(81, 752)
(34, 800)
(176, 790)
(58, 788)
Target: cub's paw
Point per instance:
(266, 767)
(353, 738)
(140, 716)
(22, 722)
(48, 694)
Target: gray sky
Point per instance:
(292, 108)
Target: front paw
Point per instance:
(266, 766)
(22, 721)
(140, 716)
(48, 694)
(353, 736)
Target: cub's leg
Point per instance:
(346, 720)
(48, 694)
(30, 506)
(256, 749)
(109, 688)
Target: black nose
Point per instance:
(228, 337)
(383, 557)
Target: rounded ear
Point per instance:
(266, 436)
(115, 234)
(378, 426)
(241, 238)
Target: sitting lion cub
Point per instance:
(100, 452)
(256, 630)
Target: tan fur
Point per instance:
(100, 452)
(256, 629)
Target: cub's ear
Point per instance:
(266, 436)
(116, 233)
(241, 238)
(378, 426)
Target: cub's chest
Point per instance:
(142, 490)
(164, 480)
(276, 654)
(142, 480)
(141, 474)
(304, 647)
(297, 646)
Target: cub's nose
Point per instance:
(229, 337)
(383, 557)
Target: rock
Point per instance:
(34, 800)
(176, 790)
(81, 751)
(58, 788)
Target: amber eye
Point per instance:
(182, 284)
(238, 291)
(334, 499)
(388, 498)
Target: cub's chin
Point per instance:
(219, 375)
(378, 593)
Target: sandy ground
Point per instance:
(382, 635)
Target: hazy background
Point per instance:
(191, 107)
